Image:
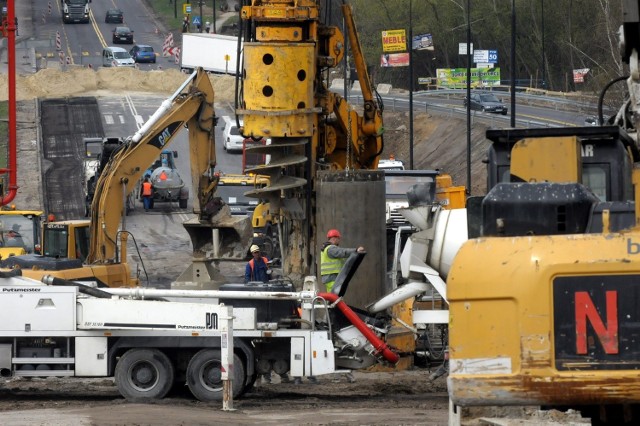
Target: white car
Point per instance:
(116, 57)
(232, 139)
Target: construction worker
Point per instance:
(14, 239)
(146, 193)
(333, 258)
(257, 268)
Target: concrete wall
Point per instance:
(354, 204)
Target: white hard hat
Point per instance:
(254, 248)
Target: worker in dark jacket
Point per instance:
(257, 269)
(333, 258)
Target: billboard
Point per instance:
(422, 42)
(394, 60)
(456, 78)
(394, 41)
(578, 75)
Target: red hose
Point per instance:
(11, 71)
(379, 345)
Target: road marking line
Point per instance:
(108, 119)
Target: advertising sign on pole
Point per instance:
(578, 75)
(480, 56)
(422, 42)
(394, 41)
(456, 78)
(394, 60)
(462, 48)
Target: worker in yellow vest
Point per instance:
(333, 258)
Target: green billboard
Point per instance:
(456, 78)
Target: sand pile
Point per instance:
(51, 83)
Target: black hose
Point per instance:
(17, 272)
(55, 281)
(601, 98)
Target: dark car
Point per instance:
(114, 16)
(143, 53)
(487, 102)
(123, 35)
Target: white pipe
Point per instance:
(141, 293)
(162, 110)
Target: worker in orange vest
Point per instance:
(257, 268)
(147, 193)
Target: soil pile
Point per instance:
(79, 81)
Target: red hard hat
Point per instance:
(333, 233)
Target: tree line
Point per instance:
(552, 38)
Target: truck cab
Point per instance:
(75, 11)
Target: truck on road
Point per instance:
(213, 52)
(74, 11)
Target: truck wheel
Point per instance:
(144, 374)
(204, 376)
(182, 202)
(251, 381)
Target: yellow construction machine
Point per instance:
(284, 96)
(24, 225)
(544, 300)
(104, 259)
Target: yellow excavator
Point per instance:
(24, 227)
(105, 257)
(544, 300)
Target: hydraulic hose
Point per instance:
(379, 345)
(51, 280)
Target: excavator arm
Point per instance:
(364, 133)
(190, 106)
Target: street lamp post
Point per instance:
(469, 97)
(214, 17)
(544, 77)
(513, 64)
(410, 87)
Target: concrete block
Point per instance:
(384, 88)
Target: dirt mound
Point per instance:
(79, 81)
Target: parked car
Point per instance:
(592, 121)
(116, 57)
(143, 53)
(487, 102)
(232, 139)
(114, 16)
(123, 35)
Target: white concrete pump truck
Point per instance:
(148, 344)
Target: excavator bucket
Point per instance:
(223, 237)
